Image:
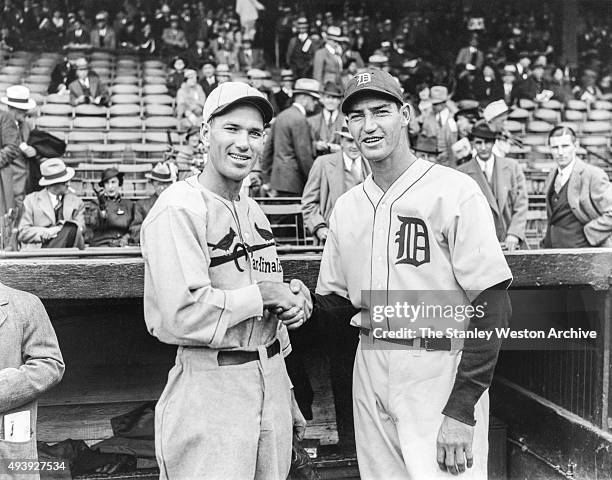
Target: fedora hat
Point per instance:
(495, 109)
(438, 94)
(344, 132)
(18, 96)
(81, 64)
(332, 89)
(111, 173)
(482, 130)
(54, 170)
(223, 70)
(308, 86)
(287, 74)
(161, 172)
(335, 33)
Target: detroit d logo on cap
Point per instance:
(412, 240)
(363, 78)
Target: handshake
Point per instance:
(291, 302)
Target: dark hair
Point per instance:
(562, 130)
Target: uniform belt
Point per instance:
(429, 344)
(238, 357)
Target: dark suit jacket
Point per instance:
(510, 202)
(207, 87)
(297, 59)
(287, 156)
(589, 193)
(110, 39)
(464, 57)
(83, 38)
(256, 60)
(96, 88)
(141, 209)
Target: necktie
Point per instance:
(59, 209)
(558, 183)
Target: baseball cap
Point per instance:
(231, 93)
(372, 80)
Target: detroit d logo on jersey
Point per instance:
(412, 240)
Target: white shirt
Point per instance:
(300, 108)
(350, 164)
(442, 116)
(563, 174)
(54, 199)
(85, 82)
(327, 114)
(487, 166)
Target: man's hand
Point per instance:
(50, 232)
(277, 295)
(296, 317)
(321, 234)
(27, 150)
(512, 242)
(320, 145)
(299, 422)
(454, 446)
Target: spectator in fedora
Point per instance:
(438, 130)
(288, 155)
(249, 57)
(283, 98)
(327, 62)
(54, 216)
(87, 88)
(16, 154)
(301, 50)
(328, 121)
(111, 215)
(503, 184)
(160, 178)
(223, 73)
(189, 101)
(208, 82)
(103, 35)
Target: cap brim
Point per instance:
(307, 92)
(69, 175)
(260, 103)
(383, 93)
(21, 106)
(152, 177)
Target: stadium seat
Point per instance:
(126, 80)
(122, 89)
(125, 98)
(12, 70)
(595, 128)
(86, 137)
(601, 105)
(573, 115)
(576, 105)
(527, 104)
(44, 63)
(127, 63)
(154, 64)
(552, 105)
(539, 126)
(513, 126)
(575, 126)
(121, 136)
(44, 79)
(155, 89)
(89, 122)
(53, 121)
(599, 115)
(534, 140)
(125, 122)
(159, 99)
(100, 152)
(89, 110)
(103, 73)
(162, 137)
(76, 153)
(546, 114)
(144, 152)
(41, 70)
(165, 122)
(58, 98)
(11, 79)
(127, 72)
(56, 109)
(17, 62)
(519, 115)
(37, 87)
(152, 109)
(124, 109)
(154, 80)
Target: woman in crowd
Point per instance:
(112, 215)
(176, 76)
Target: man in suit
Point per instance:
(578, 198)
(87, 88)
(173, 38)
(503, 184)
(470, 55)
(328, 121)
(301, 50)
(287, 155)
(327, 62)
(160, 178)
(531, 88)
(437, 127)
(283, 98)
(102, 35)
(249, 57)
(52, 217)
(209, 79)
(77, 36)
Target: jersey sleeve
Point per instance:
(476, 255)
(331, 274)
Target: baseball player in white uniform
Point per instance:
(420, 404)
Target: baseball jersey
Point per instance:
(432, 230)
(203, 258)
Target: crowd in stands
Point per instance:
(450, 62)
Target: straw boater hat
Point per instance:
(495, 109)
(54, 170)
(161, 172)
(18, 96)
(335, 33)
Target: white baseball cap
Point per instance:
(494, 110)
(231, 93)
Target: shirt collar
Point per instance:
(566, 171)
(300, 108)
(349, 163)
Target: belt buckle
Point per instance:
(427, 345)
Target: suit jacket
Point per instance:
(465, 56)
(300, 61)
(30, 364)
(589, 193)
(434, 137)
(255, 60)
(509, 203)
(141, 209)
(9, 152)
(324, 186)
(208, 87)
(321, 131)
(109, 42)
(174, 37)
(326, 67)
(287, 156)
(83, 39)
(96, 88)
(38, 215)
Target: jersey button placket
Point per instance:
(379, 248)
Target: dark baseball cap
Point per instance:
(372, 80)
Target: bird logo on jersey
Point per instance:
(412, 240)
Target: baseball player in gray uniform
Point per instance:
(420, 402)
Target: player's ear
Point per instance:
(205, 133)
(405, 113)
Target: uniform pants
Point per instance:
(398, 397)
(224, 422)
